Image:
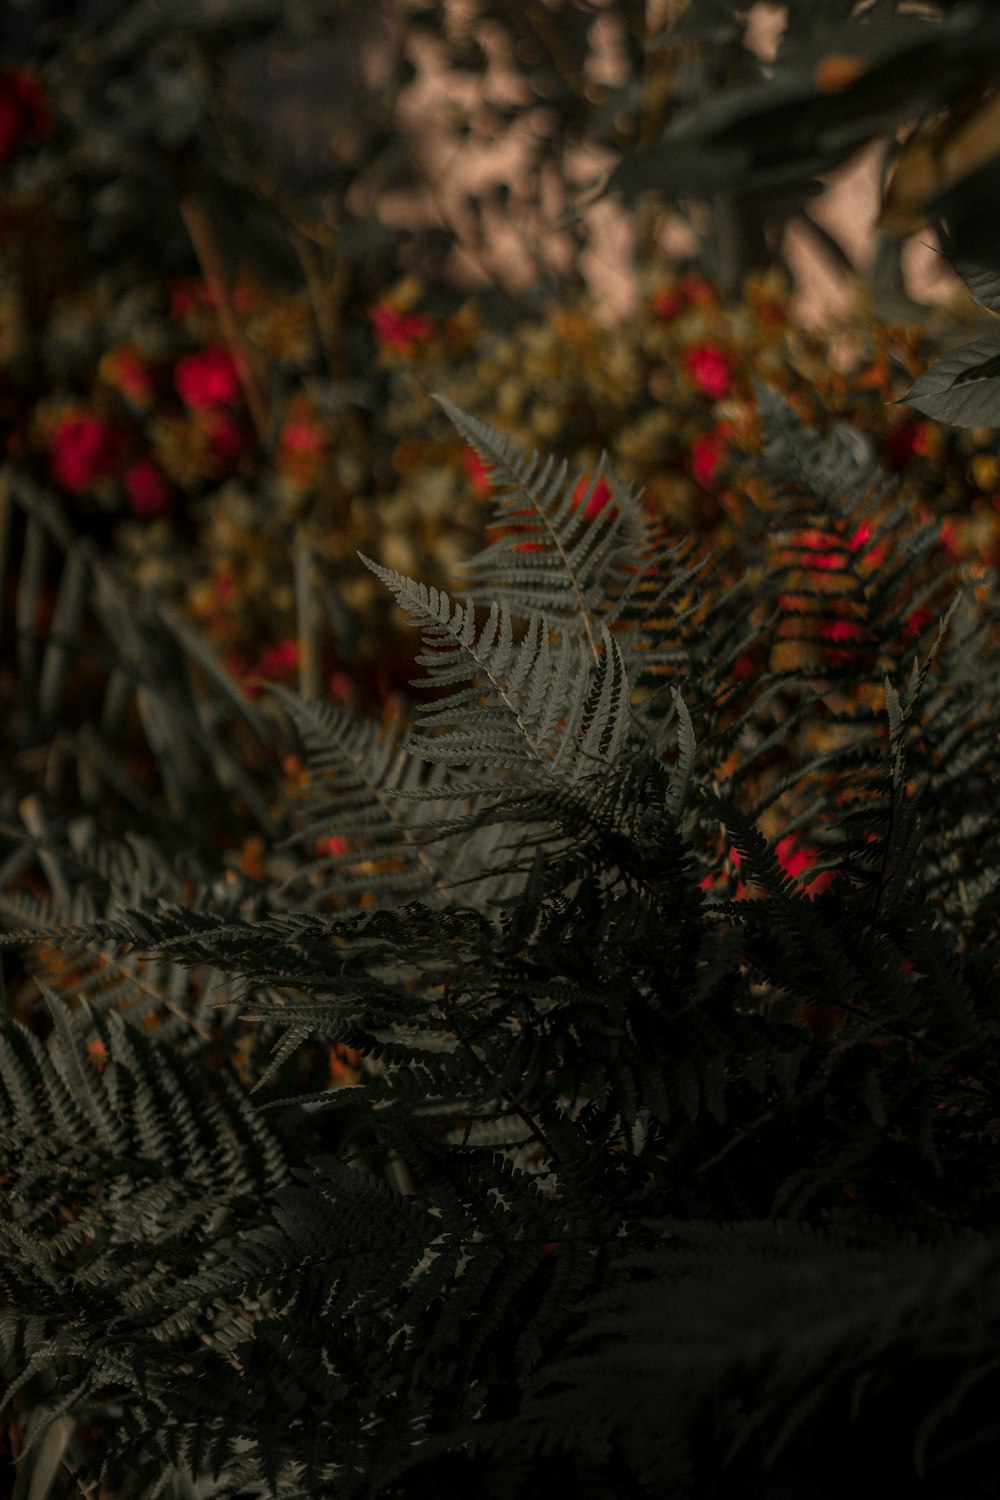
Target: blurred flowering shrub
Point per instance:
(131, 401)
(233, 434)
(24, 113)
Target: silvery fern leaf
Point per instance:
(513, 699)
(553, 556)
(376, 801)
(599, 738)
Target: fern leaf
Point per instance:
(515, 726)
(555, 560)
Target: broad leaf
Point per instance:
(983, 282)
(962, 388)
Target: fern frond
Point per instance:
(528, 685)
(554, 560)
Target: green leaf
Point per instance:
(983, 282)
(962, 388)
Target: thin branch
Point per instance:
(206, 247)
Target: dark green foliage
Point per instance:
(645, 1189)
(753, 138)
(791, 123)
(962, 388)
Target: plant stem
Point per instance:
(206, 247)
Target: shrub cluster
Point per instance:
(582, 1077)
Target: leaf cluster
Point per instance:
(647, 1178)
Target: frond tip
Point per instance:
(553, 550)
(508, 695)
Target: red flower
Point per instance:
(344, 1065)
(915, 623)
(24, 113)
(279, 660)
(949, 539)
(841, 630)
(302, 436)
(476, 470)
(228, 441)
(303, 446)
(906, 441)
(207, 378)
(598, 500)
(793, 860)
(669, 304)
(147, 489)
(84, 450)
(97, 1052)
(709, 368)
(815, 541)
(331, 847)
(399, 330)
(812, 557)
(707, 454)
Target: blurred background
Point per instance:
(243, 243)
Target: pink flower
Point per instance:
(399, 330)
(207, 378)
(84, 450)
(24, 113)
(708, 367)
(148, 491)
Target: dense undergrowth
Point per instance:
(628, 1004)
(561, 1053)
